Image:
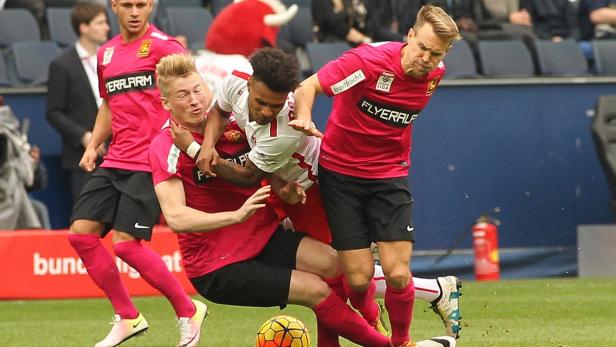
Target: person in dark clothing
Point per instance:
(552, 19)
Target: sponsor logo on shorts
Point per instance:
(132, 82)
(139, 226)
(348, 82)
(387, 114)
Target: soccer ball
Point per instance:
(283, 331)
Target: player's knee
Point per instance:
(397, 277)
(333, 268)
(359, 281)
(82, 226)
(318, 291)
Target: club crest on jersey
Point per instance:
(144, 49)
(233, 136)
(384, 82)
(432, 84)
(107, 55)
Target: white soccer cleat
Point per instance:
(440, 341)
(190, 327)
(122, 330)
(448, 304)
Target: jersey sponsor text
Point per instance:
(387, 114)
(126, 83)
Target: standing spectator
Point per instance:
(597, 19)
(119, 196)
(73, 97)
(364, 161)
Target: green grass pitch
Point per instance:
(547, 312)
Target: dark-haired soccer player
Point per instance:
(378, 91)
(119, 195)
(230, 256)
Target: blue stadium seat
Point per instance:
(320, 53)
(4, 77)
(561, 58)
(179, 3)
(300, 27)
(604, 52)
(17, 25)
(218, 5)
(460, 62)
(505, 58)
(60, 28)
(190, 22)
(300, 3)
(32, 59)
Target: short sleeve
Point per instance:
(169, 47)
(272, 153)
(342, 73)
(101, 81)
(223, 94)
(164, 158)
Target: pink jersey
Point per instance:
(208, 251)
(369, 129)
(127, 81)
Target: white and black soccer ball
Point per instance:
(439, 341)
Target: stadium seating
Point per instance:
(460, 62)
(4, 77)
(561, 58)
(300, 28)
(60, 28)
(300, 3)
(604, 136)
(218, 5)
(179, 3)
(190, 22)
(508, 58)
(320, 53)
(604, 52)
(31, 60)
(17, 25)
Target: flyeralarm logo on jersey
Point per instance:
(131, 82)
(386, 113)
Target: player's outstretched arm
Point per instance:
(102, 130)
(305, 95)
(183, 219)
(217, 120)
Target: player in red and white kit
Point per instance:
(278, 149)
(230, 255)
(119, 196)
(378, 89)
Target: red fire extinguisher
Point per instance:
(485, 245)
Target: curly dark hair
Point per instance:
(276, 69)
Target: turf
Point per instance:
(547, 312)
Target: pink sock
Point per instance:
(343, 321)
(399, 304)
(152, 268)
(104, 272)
(337, 286)
(364, 302)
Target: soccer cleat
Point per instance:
(447, 306)
(439, 341)
(122, 330)
(408, 344)
(190, 327)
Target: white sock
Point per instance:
(426, 289)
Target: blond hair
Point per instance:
(442, 24)
(171, 67)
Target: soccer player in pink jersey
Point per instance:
(119, 196)
(277, 150)
(378, 90)
(230, 255)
